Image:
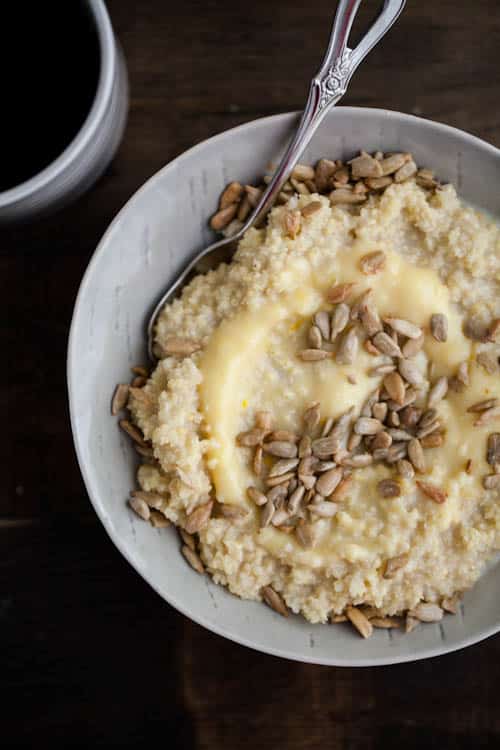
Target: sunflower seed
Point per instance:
(439, 327)
(342, 488)
(425, 178)
(254, 194)
(432, 427)
(281, 449)
(367, 426)
(416, 455)
(305, 447)
(133, 432)
(476, 329)
(394, 162)
(323, 508)
(304, 534)
(282, 435)
(426, 612)
(308, 465)
(295, 499)
(120, 398)
(140, 507)
(487, 416)
(152, 499)
(491, 482)
(322, 466)
(365, 165)
(257, 461)
(341, 430)
(388, 488)
(354, 441)
(406, 171)
(251, 438)
(394, 564)
(231, 194)
(256, 496)
(379, 411)
(193, 559)
(282, 479)
(314, 337)
(395, 387)
(292, 221)
(410, 397)
(348, 348)
(369, 404)
(324, 447)
(340, 318)
(410, 372)
(427, 418)
(360, 622)
(380, 454)
(322, 321)
(404, 327)
(386, 345)
(369, 317)
(280, 517)
(381, 441)
(371, 348)
(231, 512)
(493, 449)
(187, 539)
(450, 604)
(323, 173)
(372, 262)
(327, 427)
(303, 172)
(385, 622)
(412, 347)
(405, 469)
(340, 292)
(378, 183)
(410, 624)
(435, 493)
(438, 391)
(277, 493)
(328, 481)
(488, 361)
(359, 461)
(138, 382)
(274, 600)
(199, 517)
(222, 218)
(312, 416)
(409, 417)
(244, 209)
(267, 514)
(342, 195)
(479, 406)
(313, 355)
(396, 452)
(308, 480)
(494, 330)
(393, 419)
(434, 440)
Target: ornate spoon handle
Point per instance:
(327, 87)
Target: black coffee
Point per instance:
(49, 70)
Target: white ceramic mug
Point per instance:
(90, 152)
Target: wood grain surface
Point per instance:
(91, 656)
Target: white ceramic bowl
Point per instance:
(142, 251)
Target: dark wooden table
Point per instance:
(90, 655)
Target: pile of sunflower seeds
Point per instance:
(346, 183)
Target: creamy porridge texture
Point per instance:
(256, 348)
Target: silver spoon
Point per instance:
(327, 88)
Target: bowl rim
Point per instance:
(90, 485)
(89, 127)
